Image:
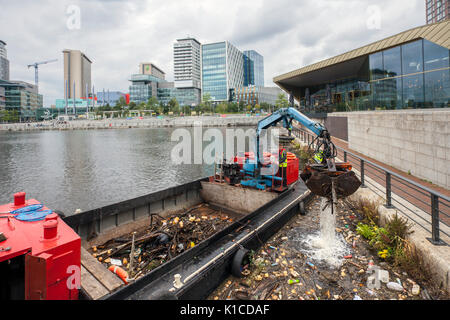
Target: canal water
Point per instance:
(87, 169)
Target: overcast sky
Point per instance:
(117, 35)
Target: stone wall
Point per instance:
(415, 141)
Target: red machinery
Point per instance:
(39, 260)
(292, 165)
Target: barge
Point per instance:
(43, 256)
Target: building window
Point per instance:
(437, 89)
(435, 56)
(392, 62)
(376, 66)
(413, 93)
(412, 58)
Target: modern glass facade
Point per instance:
(109, 97)
(184, 96)
(214, 71)
(253, 69)
(411, 75)
(256, 95)
(143, 87)
(22, 97)
(222, 69)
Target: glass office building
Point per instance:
(253, 95)
(143, 87)
(413, 75)
(222, 70)
(22, 97)
(109, 97)
(253, 69)
(406, 71)
(184, 96)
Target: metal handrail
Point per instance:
(435, 196)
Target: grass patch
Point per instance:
(368, 209)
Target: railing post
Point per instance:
(388, 191)
(435, 221)
(362, 174)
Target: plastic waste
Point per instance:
(415, 289)
(291, 281)
(370, 292)
(373, 282)
(394, 286)
(162, 238)
(357, 297)
(383, 275)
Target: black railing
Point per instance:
(434, 204)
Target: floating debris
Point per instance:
(164, 239)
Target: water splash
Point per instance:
(325, 245)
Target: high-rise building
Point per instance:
(437, 10)
(145, 84)
(149, 68)
(187, 63)
(77, 73)
(4, 62)
(253, 69)
(222, 70)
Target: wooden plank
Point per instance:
(106, 277)
(93, 288)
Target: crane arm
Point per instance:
(287, 115)
(42, 62)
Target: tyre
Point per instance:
(240, 259)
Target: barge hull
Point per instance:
(205, 266)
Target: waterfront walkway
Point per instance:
(153, 122)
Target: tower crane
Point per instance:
(35, 65)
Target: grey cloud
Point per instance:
(117, 35)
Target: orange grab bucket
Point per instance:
(119, 272)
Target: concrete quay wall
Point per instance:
(135, 123)
(415, 141)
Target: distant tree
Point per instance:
(206, 98)
(282, 101)
(241, 107)
(221, 108)
(265, 106)
(132, 105)
(122, 102)
(141, 106)
(207, 102)
(232, 107)
(174, 106)
(152, 103)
